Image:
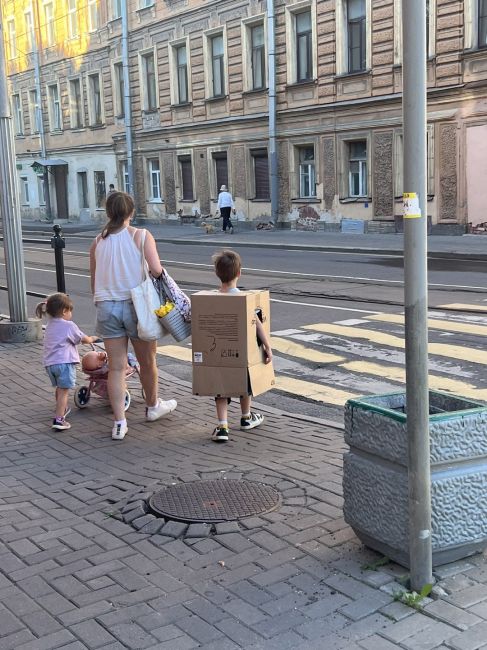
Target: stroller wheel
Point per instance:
(82, 397)
(127, 400)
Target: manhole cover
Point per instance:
(213, 501)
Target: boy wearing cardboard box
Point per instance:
(232, 346)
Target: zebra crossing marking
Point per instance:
(436, 324)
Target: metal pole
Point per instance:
(273, 165)
(9, 203)
(416, 289)
(58, 243)
(38, 108)
(127, 107)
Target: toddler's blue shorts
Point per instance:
(62, 375)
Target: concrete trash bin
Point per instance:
(375, 475)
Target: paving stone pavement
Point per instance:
(74, 575)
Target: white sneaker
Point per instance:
(119, 431)
(162, 408)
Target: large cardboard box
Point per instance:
(228, 359)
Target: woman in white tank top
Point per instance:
(116, 268)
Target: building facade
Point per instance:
(199, 103)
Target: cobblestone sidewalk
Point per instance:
(74, 575)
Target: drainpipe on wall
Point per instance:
(271, 60)
(38, 108)
(127, 99)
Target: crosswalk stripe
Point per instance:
(397, 373)
(175, 352)
(382, 338)
(302, 352)
(460, 306)
(316, 392)
(436, 324)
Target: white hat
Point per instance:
(223, 188)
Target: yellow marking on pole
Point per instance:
(175, 352)
(396, 373)
(436, 324)
(460, 306)
(440, 349)
(316, 392)
(298, 350)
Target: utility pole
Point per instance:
(9, 203)
(127, 102)
(271, 58)
(36, 40)
(416, 289)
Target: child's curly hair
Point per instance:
(54, 305)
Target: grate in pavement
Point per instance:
(213, 501)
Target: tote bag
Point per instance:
(146, 300)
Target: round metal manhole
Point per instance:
(214, 501)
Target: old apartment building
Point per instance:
(199, 79)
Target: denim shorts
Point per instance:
(116, 318)
(62, 375)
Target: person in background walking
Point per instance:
(111, 189)
(116, 267)
(226, 206)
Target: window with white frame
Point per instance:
(18, 114)
(149, 85)
(96, 112)
(24, 190)
(41, 190)
(72, 19)
(257, 56)
(430, 28)
(29, 30)
(306, 171)
(92, 15)
(119, 89)
(34, 111)
(11, 38)
(356, 35)
(217, 58)
(399, 163)
(181, 69)
(482, 23)
(154, 179)
(76, 104)
(55, 117)
(304, 46)
(100, 189)
(301, 55)
(116, 9)
(357, 168)
(146, 3)
(49, 23)
(125, 176)
(83, 190)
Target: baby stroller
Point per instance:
(98, 379)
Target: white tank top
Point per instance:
(118, 266)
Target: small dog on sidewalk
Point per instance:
(208, 227)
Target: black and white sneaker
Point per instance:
(251, 422)
(220, 434)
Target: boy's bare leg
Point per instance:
(62, 395)
(221, 409)
(245, 403)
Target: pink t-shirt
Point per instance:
(60, 340)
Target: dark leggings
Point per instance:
(225, 212)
